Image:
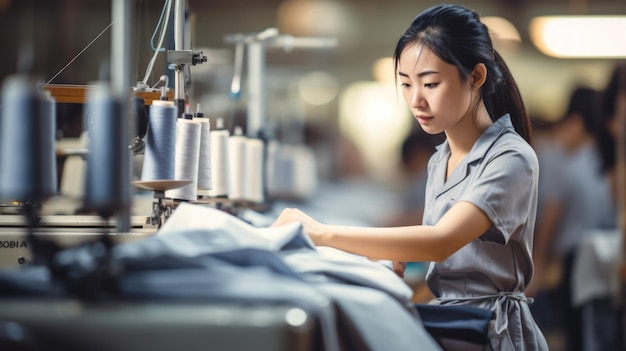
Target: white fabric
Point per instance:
(596, 269)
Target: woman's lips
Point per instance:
(423, 119)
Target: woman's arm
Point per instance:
(463, 223)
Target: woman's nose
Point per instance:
(417, 99)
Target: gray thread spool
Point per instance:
(107, 186)
(27, 136)
(219, 160)
(272, 172)
(48, 121)
(204, 164)
(186, 159)
(159, 154)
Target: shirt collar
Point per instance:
(478, 151)
(486, 139)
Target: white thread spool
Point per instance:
(27, 136)
(291, 171)
(186, 157)
(237, 165)
(219, 160)
(305, 180)
(159, 154)
(204, 163)
(254, 172)
(280, 171)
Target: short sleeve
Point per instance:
(505, 191)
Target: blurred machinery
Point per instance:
(69, 325)
(117, 121)
(116, 133)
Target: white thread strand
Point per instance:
(159, 154)
(204, 164)
(187, 154)
(219, 162)
(80, 53)
(156, 52)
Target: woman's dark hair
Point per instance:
(584, 102)
(457, 36)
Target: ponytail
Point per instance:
(504, 97)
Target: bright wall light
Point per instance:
(580, 36)
(376, 118)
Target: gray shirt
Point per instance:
(585, 197)
(499, 176)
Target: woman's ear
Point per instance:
(478, 76)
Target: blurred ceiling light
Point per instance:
(580, 36)
(318, 88)
(504, 35)
(316, 18)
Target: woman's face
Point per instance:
(433, 89)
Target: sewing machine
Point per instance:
(64, 230)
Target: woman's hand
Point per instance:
(312, 228)
(399, 267)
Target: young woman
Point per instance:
(481, 192)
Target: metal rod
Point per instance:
(256, 89)
(120, 83)
(179, 25)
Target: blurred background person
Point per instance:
(575, 199)
(547, 269)
(597, 279)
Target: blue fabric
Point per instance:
(459, 322)
(206, 255)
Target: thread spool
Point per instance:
(107, 186)
(237, 165)
(48, 130)
(204, 163)
(291, 171)
(271, 172)
(27, 142)
(219, 160)
(187, 153)
(305, 180)
(280, 171)
(254, 170)
(159, 154)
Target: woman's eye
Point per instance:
(430, 85)
(405, 85)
